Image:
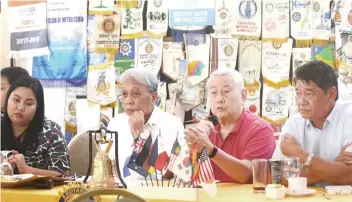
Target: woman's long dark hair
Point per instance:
(8, 140)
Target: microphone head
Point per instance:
(213, 119)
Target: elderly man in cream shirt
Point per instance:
(142, 117)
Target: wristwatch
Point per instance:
(213, 152)
(308, 162)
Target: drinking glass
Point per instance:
(260, 175)
(6, 168)
(291, 167)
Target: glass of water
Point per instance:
(5, 166)
(291, 167)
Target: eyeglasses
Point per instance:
(336, 190)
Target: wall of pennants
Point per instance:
(182, 42)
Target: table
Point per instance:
(225, 192)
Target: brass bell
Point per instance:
(105, 171)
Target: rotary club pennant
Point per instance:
(197, 53)
(302, 22)
(126, 58)
(227, 53)
(224, 10)
(276, 63)
(250, 60)
(70, 107)
(276, 20)
(172, 53)
(300, 56)
(101, 84)
(108, 33)
(252, 103)
(188, 96)
(275, 104)
(247, 21)
(345, 85)
(149, 53)
(132, 21)
(157, 18)
(321, 21)
(202, 111)
(323, 53)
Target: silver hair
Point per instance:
(235, 76)
(142, 75)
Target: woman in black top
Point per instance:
(39, 146)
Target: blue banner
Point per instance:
(67, 36)
(192, 17)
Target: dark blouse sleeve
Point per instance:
(57, 157)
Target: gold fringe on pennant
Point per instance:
(128, 3)
(255, 84)
(101, 12)
(307, 43)
(321, 43)
(337, 63)
(278, 85)
(98, 67)
(252, 87)
(107, 50)
(246, 38)
(112, 104)
(275, 40)
(275, 122)
(293, 83)
(133, 36)
(332, 38)
(111, 58)
(154, 35)
(71, 128)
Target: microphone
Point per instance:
(213, 119)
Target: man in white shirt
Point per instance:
(321, 129)
(141, 118)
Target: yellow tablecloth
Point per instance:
(225, 192)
